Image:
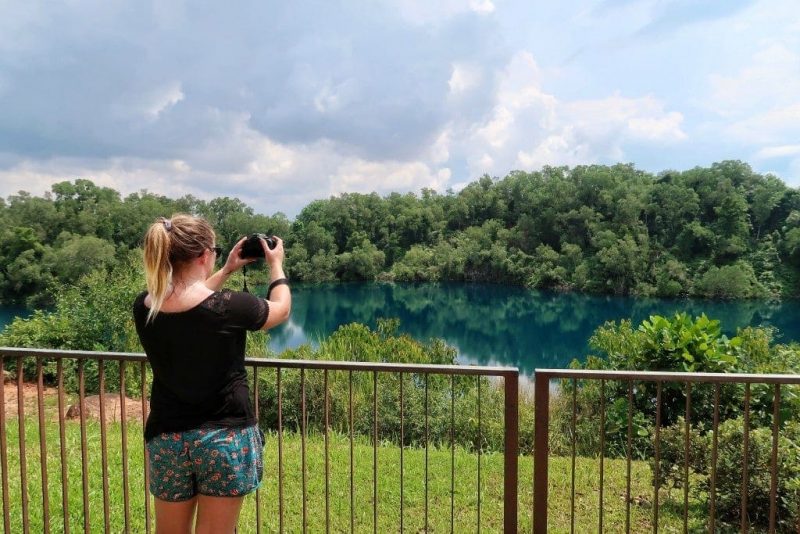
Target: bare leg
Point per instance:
(175, 517)
(217, 515)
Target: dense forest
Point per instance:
(722, 231)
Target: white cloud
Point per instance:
(267, 175)
(770, 152)
(530, 127)
(332, 97)
(482, 6)
(440, 151)
(427, 12)
(271, 159)
(148, 104)
(773, 126)
(355, 175)
(771, 77)
(126, 175)
(164, 99)
(666, 128)
(561, 149)
(497, 131)
(465, 76)
(638, 119)
(755, 100)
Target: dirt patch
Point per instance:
(112, 406)
(91, 403)
(30, 397)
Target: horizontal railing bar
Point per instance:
(653, 376)
(73, 354)
(656, 376)
(277, 362)
(384, 367)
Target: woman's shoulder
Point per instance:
(139, 308)
(139, 300)
(244, 309)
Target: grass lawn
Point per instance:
(465, 513)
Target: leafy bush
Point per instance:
(662, 344)
(730, 282)
(357, 342)
(419, 264)
(685, 345)
(730, 459)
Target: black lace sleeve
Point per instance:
(246, 311)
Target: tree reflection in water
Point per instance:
(505, 325)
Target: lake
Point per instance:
(7, 314)
(495, 324)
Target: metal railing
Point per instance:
(543, 378)
(85, 506)
(46, 358)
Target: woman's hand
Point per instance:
(273, 256)
(235, 261)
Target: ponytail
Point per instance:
(157, 267)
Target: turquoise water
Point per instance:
(492, 324)
(7, 314)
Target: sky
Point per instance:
(280, 103)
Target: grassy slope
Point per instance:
(388, 487)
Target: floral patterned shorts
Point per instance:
(219, 462)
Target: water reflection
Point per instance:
(492, 324)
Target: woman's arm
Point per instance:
(280, 298)
(232, 264)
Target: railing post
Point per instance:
(541, 451)
(511, 458)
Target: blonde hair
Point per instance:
(168, 245)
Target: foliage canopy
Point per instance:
(722, 231)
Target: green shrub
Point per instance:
(677, 344)
(357, 342)
(419, 264)
(730, 282)
(662, 344)
(730, 459)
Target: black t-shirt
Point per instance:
(197, 357)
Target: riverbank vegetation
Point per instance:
(722, 231)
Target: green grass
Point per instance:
(586, 498)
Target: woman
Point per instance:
(203, 442)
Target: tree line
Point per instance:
(722, 231)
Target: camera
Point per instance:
(252, 247)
